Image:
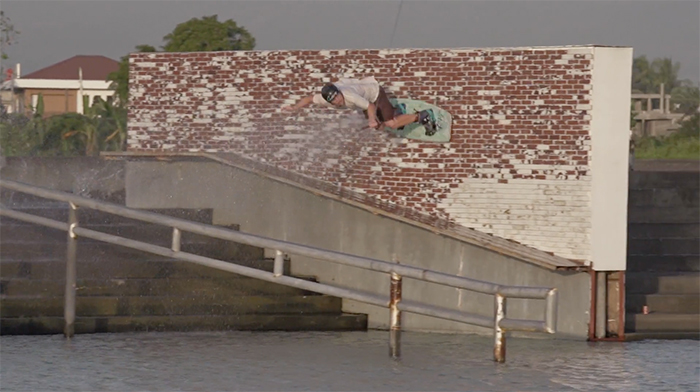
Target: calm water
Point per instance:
(347, 361)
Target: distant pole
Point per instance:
(81, 101)
(662, 98)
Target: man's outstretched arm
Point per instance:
(306, 101)
(372, 115)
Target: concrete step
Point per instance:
(662, 322)
(89, 216)
(101, 251)
(663, 247)
(124, 268)
(243, 322)
(665, 197)
(665, 179)
(663, 303)
(33, 306)
(636, 336)
(664, 230)
(663, 263)
(663, 215)
(195, 287)
(655, 283)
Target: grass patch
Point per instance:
(683, 144)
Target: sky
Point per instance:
(54, 30)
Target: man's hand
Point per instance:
(288, 108)
(373, 124)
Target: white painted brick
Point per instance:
(548, 214)
(395, 51)
(582, 50)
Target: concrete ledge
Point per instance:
(368, 203)
(666, 165)
(637, 336)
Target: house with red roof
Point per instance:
(63, 84)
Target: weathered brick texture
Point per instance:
(517, 166)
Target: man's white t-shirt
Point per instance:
(357, 93)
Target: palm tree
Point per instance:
(87, 130)
(113, 120)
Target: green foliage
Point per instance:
(195, 35)
(642, 78)
(101, 128)
(8, 34)
(687, 98)
(665, 71)
(19, 134)
(208, 34)
(682, 144)
(120, 77)
(39, 110)
(648, 77)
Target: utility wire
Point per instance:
(396, 23)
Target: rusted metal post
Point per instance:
(177, 239)
(71, 273)
(278, 269)
(395, 316)
(499, 348)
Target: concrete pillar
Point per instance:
(661, 99)
(601, 305)
(638, 106)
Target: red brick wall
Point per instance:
(517, 166)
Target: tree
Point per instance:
(120, 77)
(112, 124)
(208, 34)
(8, 35)
(641, 75)
(195, 35)
(687, 98)
(647, 77)
(665, 71)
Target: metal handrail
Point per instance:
(397, 271)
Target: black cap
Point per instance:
(329, 91)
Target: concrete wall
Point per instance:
(270, 208)
(518, 165)
(609, 159)
(85, 176)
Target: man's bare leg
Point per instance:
(401, 120)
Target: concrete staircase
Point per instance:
(122, 290)
(663, 267)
